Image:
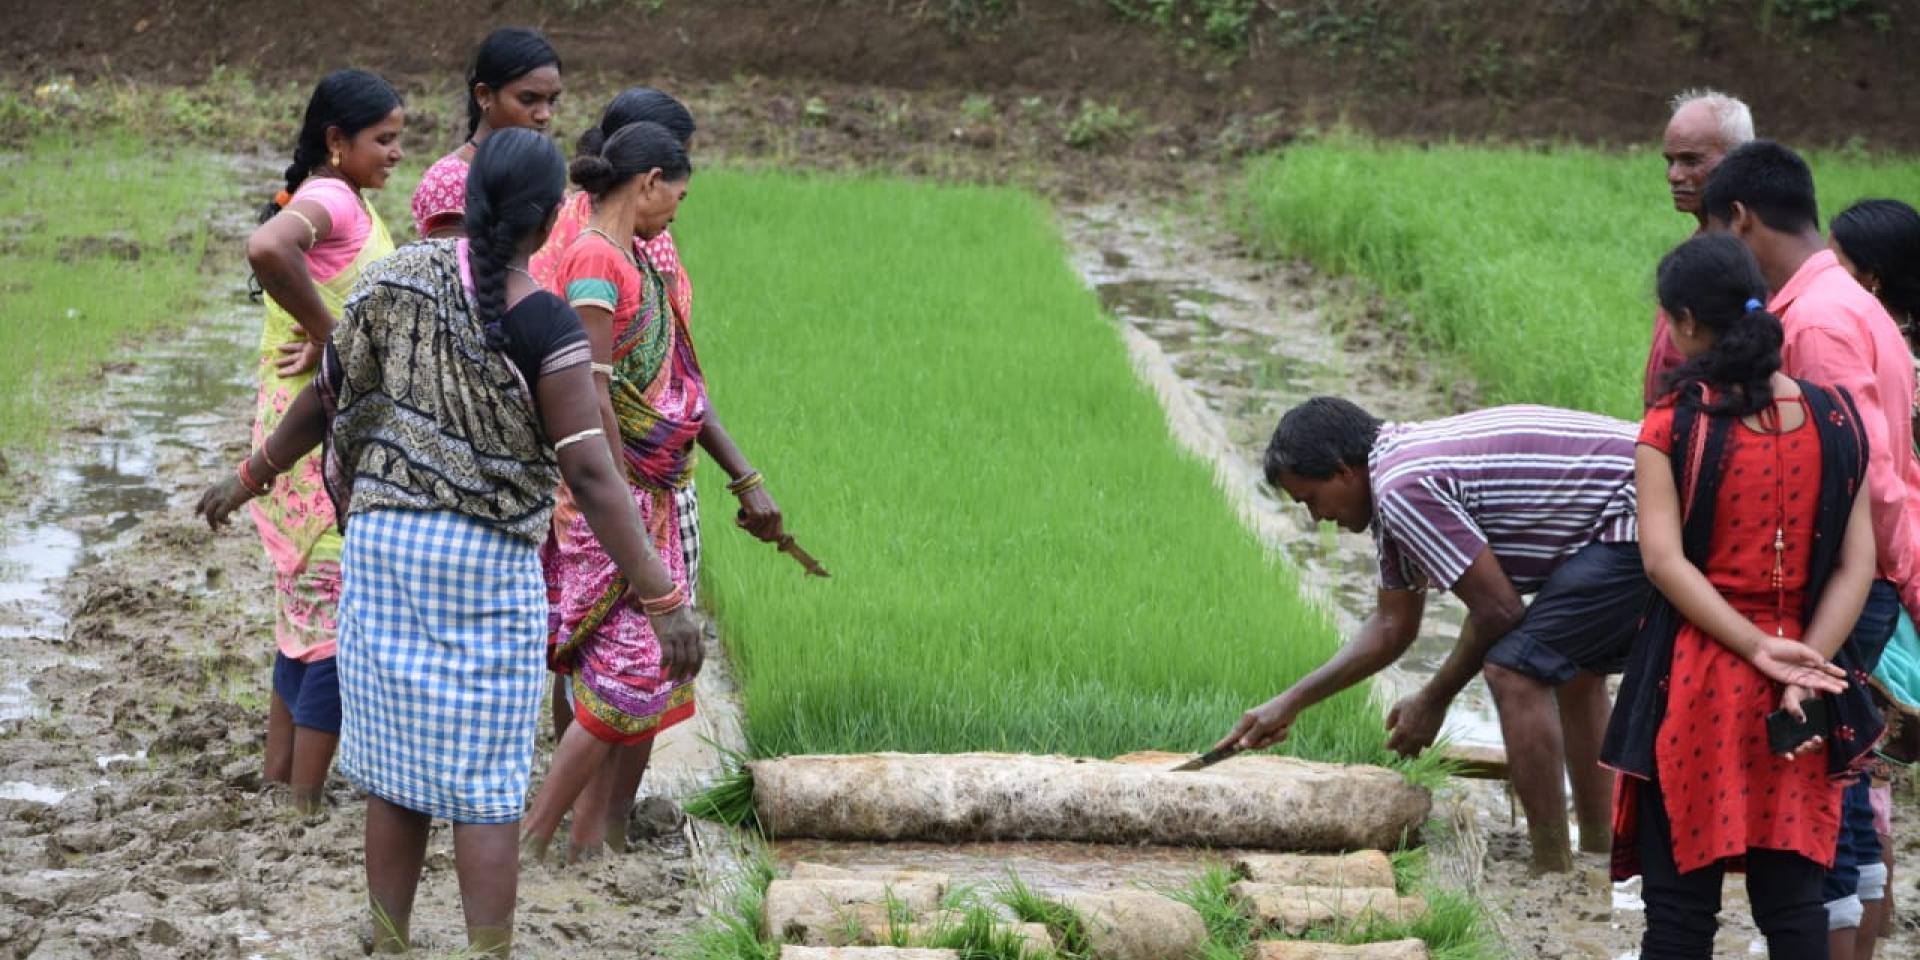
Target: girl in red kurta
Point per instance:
(1754, 529)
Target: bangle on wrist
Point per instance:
(752, 480)
(663, 605)
(267, 458)
(247, 481)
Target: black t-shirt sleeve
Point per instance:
(544, 335)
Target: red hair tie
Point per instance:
(283, 199)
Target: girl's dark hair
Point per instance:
(1882, 238)
(632, 150)
(1714, 279)
(638, 105)
(513, 187)
(506, 55)
(348, 100)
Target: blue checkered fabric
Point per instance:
(686, 512)
(442, 642)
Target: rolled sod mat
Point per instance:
(794, 952)
(1310, 950)
(1363, 868)
(1295, 909)
(816, 911)
(1033, 938)
(1137, 925)
(1260, 802)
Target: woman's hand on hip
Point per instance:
(297, 356)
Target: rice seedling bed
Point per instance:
(1021, 558)
(100, 242)
(1535, 266)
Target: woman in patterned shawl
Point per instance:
(454, 397)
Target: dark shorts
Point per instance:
(310, 690)
(1584, 618)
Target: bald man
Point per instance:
(1705, 125)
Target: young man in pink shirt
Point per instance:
(1837, 334)
(1705, 125)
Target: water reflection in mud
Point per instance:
(105, 480)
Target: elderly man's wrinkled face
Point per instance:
(1693, 147)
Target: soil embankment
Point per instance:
(1242, 75)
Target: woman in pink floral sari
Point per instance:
(318, 235)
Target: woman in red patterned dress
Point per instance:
(1754, 529)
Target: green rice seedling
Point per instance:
(1022, 559)
(101, 243)
(1068, 931)
(1535, 266)
(1228, 929)
(1409, 867)
(733, 931)
(1454, 926)
(729, 799)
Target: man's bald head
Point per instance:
(1704, 126)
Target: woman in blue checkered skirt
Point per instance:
(454, 396)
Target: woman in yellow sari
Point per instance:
(314, 240)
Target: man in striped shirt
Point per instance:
(1490, 505)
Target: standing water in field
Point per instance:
(1229, 345)
(164, 410)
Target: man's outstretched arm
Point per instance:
(1382, 639)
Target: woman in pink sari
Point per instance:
(514, 82)
(758, 513)
(617, 686)
(317, 237)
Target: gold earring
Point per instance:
(334, 160)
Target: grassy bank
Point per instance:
(100, 241)
(1537, 267)
(1021, 559)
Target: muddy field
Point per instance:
(133, 820)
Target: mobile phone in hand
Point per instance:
(1784, 733)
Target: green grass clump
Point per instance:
(1454, 927)
(1536, 266)
(733, 931)
(100, 242)
(1022, 560)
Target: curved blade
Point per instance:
(1208, 759)
(805, 559)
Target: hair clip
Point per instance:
(1754, 304)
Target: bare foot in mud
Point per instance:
(1551, 853)
(533, 850)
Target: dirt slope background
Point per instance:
(1817, 71)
